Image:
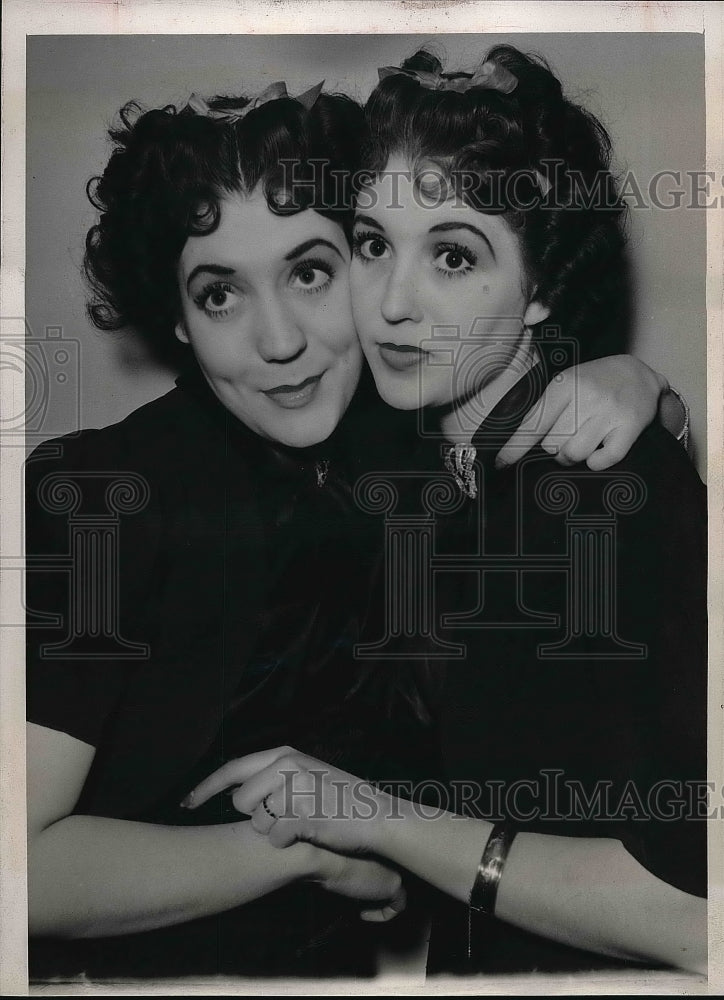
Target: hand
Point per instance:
(364, 880)
(291, 797)
(593, 413)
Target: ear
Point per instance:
(180, 331)
(535, 313)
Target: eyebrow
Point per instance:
(367, 220)
(448, 227)
(308, 244)
(209, 269)
(442, 227)
(294, 254)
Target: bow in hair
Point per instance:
(272, 93)
(487, 76)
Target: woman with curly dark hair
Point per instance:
(215, 623)
(572, 722)
(218, 613)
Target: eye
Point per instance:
(312, 275)
(369, 246)
(217, 300)
(453, 259)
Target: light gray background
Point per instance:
(648, 90)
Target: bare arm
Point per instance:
(586, 892)
(90, 876)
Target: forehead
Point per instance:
(407, 201)
(250, 236)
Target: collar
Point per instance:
(268, 457)
(507, 415)
(502, 421)
(342, 454)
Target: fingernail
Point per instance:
(188, 801)
(500, 464)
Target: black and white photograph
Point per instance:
(362, 494)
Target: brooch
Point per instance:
(460, 462)
(322, 469)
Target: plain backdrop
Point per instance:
(648, 89)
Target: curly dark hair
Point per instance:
(167, 174)
(536, 157)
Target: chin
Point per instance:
(306, 432)
(400, 394)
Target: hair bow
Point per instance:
(272, 93)
(488, 76)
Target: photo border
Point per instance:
(337, 17)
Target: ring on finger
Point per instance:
(267, 808)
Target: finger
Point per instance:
(564, 429)
(251, 794)
(235, 772)
(285, 832)
(261, 821)
(536, 423)
(388, 912)
(399, 901)
(615, 447)
(295, 788)
(583, 444)
(237, 804)
(264, 818)
(375, 916)
(267, 804)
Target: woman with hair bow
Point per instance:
(231, 631)
(244, 573)
(571, 833)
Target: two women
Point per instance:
(226, 628)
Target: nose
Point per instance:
(400, 300)
(280, 337)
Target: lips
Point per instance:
(293, 396)
(401, 357)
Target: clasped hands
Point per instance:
(292, 797)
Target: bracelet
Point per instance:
(490, 869)
(683, 435)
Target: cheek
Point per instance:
(342, 342)
(332, 323)
(485, 307)
(220, 352)
(510, 295)
(363, 281)
(364, 315)
(355, 286)
(328, 326)
(213, 352)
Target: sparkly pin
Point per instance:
(322, 469)
(460, 462)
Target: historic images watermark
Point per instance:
(583, 509)
(549, 796)
(488, 189)
(50, 364)
(413, 561)
(91, 504)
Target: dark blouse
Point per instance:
(249, 584)
(579, 708)
(215, 588)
